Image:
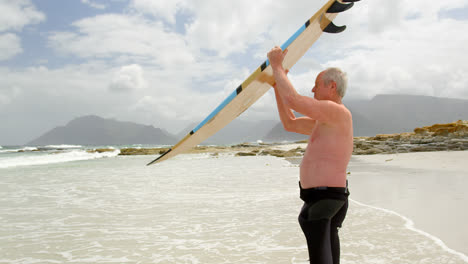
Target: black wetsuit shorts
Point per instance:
(321, 216)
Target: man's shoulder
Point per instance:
(337, 106)
(338, 113)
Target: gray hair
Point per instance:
(339, 77)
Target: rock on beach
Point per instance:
(437, 137)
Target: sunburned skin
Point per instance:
(328, 153)
(326, 120)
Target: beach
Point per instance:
(205, 208)
(427, 187)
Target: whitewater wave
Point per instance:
(409, 224)
(63, 146)
(75, 155)
(25, 149)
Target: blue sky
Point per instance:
(169, 63)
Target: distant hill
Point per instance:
(383, 114)
(238, 131)
(386, 114)
(94, 130)
(278, 134)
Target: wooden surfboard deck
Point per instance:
(258, 83)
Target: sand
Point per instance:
(200, 208)
(427, 187)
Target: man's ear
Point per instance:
(332, 85)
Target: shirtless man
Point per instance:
(323, 185)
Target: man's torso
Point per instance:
(328, 152)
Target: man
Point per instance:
(323, 185)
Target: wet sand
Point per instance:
(200, 208)
(427, 187)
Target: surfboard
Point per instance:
(261, 80)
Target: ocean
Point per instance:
(65, 205)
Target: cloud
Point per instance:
(39, 98)
(420, 55)
(247, 25)
(165, 10)
(93, 4)
(8, 94)
(17, 14)
(114, 36)
(138, 65)
(148, 105)
(128, 78)
(10, 45)
(383, 52)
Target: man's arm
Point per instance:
(291, 123)
(325, 111)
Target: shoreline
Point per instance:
(425, 189)
(438, 137)
(428, 188)
(392, 184)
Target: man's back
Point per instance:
(328, 152)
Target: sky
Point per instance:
(170, 63)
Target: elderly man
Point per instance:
(323, 184)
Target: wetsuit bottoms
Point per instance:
(322, 214)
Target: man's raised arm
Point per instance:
(325, 110)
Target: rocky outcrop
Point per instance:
(100, 150)
(142, 151)
(274, 152)
(438, 137)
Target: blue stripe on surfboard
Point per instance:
(234, 93)
(291, 39)
(216, 111)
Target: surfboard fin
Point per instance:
(338, 7)
(332, 28)
(327, 26)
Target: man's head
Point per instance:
(330, 85)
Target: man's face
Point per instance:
(320, 90)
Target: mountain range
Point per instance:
(383, 114)
(94, 130)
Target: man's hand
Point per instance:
(276, 57)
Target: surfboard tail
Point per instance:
(326, 24)
(338, 7)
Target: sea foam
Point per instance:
(50, 158)
(63, 146)
(409, 224)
